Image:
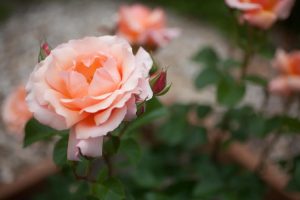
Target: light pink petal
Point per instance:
(111, 66)
(76, 84)
(281, 61)
(279, 86)
(156, 19)
(120, 102)
(242, 5)
(44, 115)
(71, 117)
(284, 8)
(91, 147)
(131, 109)
(102, 83)
(144, 90)
(261, 19)
(88, 129)
(143, 62)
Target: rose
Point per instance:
(289, 66)
(89, 86)
(262, 13)
(142, 26)
(15, 111)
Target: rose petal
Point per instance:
(91, 147)
(87, 128)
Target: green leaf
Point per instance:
(60, 151)
(229, 92)
(203, 110)
(131, 149)
(208, 56)
(230, 63)
(111, 146)
(173, 133)
(294, 183)
(111, 189)
(207, 188)
(258, 80)
(154, 110)
(195, 137)
(35, 131)
(207, 77)
(115, 186)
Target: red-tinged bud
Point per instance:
(45, 46)
(159, 82)
(45, 50)
(141, 107)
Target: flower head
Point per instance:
(15, 111)
(142, 26)
(262, 13)
(289, 66)
(89, 86)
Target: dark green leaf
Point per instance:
(294, 183)
(131, 149)
(154, 110)
(258, 80)
(35, 131)
(111, 146)
(208, 56)
(203, 111)
(60, 151)
(229, 92)
(230, 63)
(207, 77)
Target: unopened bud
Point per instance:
(44, 51)
(141, 107)
(159, 82)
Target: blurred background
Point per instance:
(25, 23)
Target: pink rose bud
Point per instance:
(89, 86)
(15, 111)
(144, 27)
(45, 50)
(262, 13)
(159, 83)
(288, 65)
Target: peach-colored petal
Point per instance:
(242, 5)
(45, 115)
(131, 109)
(138, 24)
(104, 115)
(15, 111)
(103, 78)
(284, 8)
(279, 86)
(88, 129)
(281, 61)
(262, 19)
(76, 84)
(91, 147)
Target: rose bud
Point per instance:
(262, 13)
(288, 64)
(89, 86)
(15, 112)
(45, 50)
(141, 108)
(142, 26)
(158, 83)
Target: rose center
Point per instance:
(88, 70)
